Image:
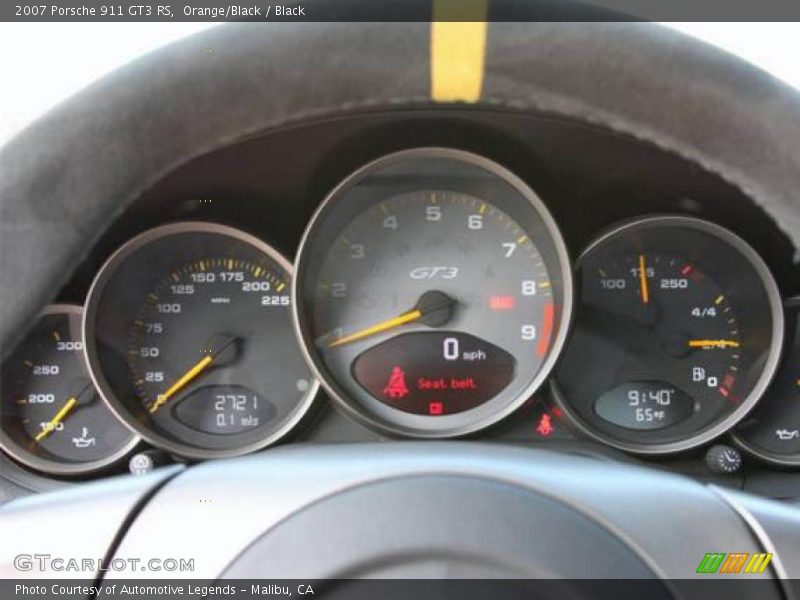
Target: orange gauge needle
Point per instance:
(643, 279)
(222, 342)
(434, 307)
(713, 344)
(60, 416)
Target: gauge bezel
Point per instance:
(104, 387)
(790, 304)
(771, 364)
(52, 467)
(396, 422)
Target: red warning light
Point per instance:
(545, 427)
(435, 408)
(502, 302)
(396, 386)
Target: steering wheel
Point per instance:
(445, 509)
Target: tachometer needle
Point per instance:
(408, 317)
(60, 416)
(433, 306)
(643, 279)
(713, 344)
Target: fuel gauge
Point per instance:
(52, 418)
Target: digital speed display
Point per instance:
(434, 373)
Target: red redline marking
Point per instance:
(723, 391)
(686, 270)
(547, 329)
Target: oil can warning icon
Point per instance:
(396, 386)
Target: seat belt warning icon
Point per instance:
(396, 386)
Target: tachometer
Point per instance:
(52, 417)
(433, 292)
(677, 334)
(189, 339)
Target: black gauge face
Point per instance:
(53, 419)
(189, 337)
(677, 333)
(772, 430)
(433, 292)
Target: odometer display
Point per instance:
(189, 338)
(432, 292)
(677, 334)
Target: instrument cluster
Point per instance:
(432, 296)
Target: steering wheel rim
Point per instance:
(65, 178)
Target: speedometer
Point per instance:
(189, 339)
(433, 293)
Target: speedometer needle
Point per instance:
(193, 372)
(200, 366)
(433, 307)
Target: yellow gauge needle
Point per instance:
(643, 279)
(379, 328)
(185, 379)
(713, 344)
(434, 309)
(60, 416)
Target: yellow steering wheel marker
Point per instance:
(185, 379)
(379, 328)
(60, 416)
(713, 344)
(643, 280)
(458, 50)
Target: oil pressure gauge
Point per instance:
(678, 334)
(53, 420)
(772, 431)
